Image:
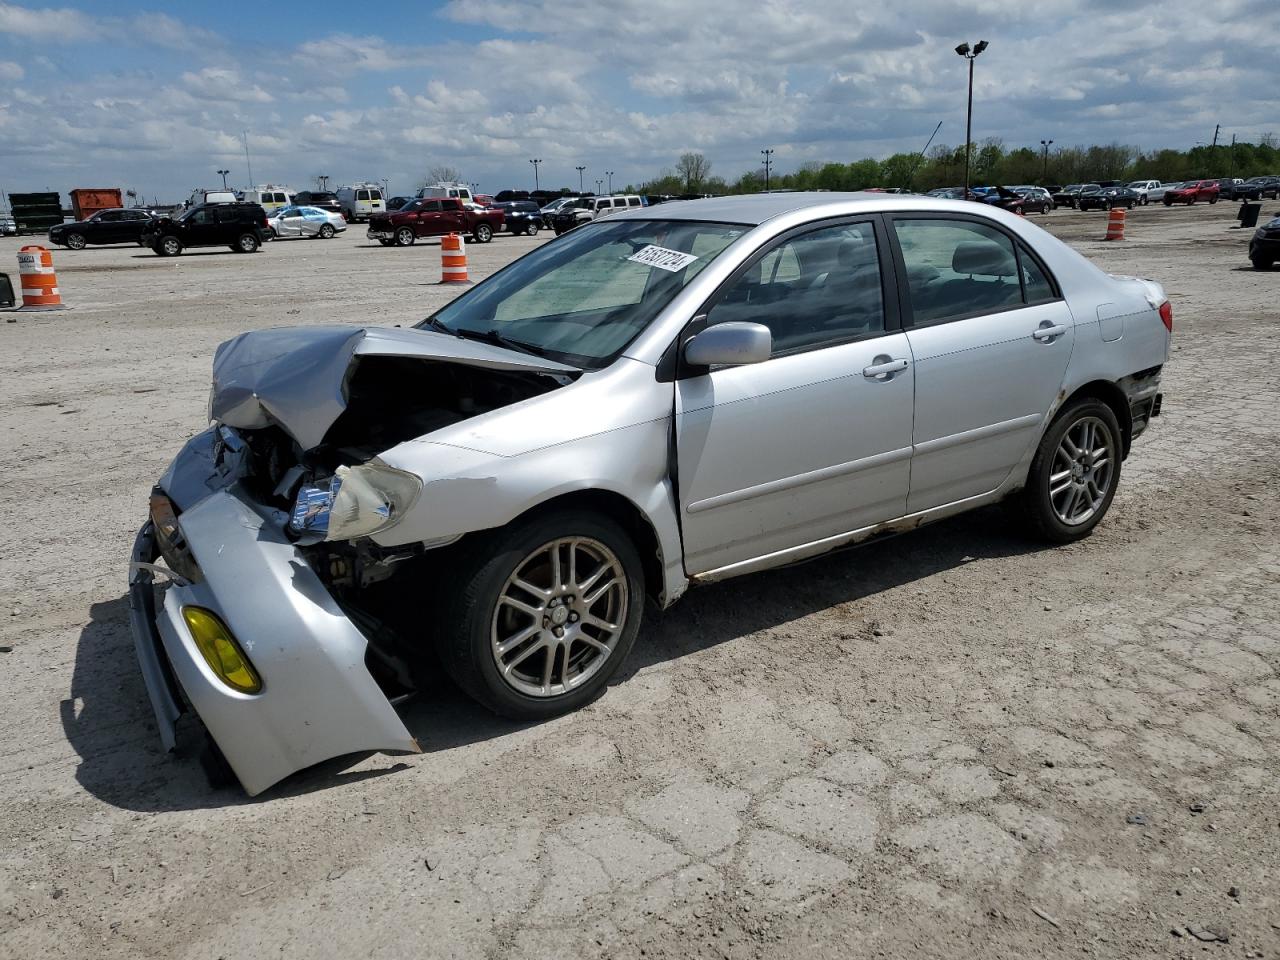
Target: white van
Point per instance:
(270, 197)
(459, 191)
(360, 201)
(210, 196)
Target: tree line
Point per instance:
(990, 163)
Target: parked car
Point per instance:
(8, 227)
(520, 217)
(324, 199)
(505, 196)
(1087, 190)
(122, 225)
(947, 193)
(499, 483)
(241, 226)
(1264, 248)
(395, 203)
(433, 217)
(1191, 192)
(1067, 196)
(1270, 187)
(1108, 198)
(270, 197)
(199, 197)
(585, 209)
(1147, 190)
(554, 207)
(1251, 189)
(297, 221)
(1020, 200)
(446, 191)
(361, 201)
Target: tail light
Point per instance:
(264, 222)
(1166, 315)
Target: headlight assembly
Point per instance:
(355, 502)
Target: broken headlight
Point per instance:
(355, 502)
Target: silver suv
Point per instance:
(666, 397)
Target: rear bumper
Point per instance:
(318, 699)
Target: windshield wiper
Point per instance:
(435, 324)
(498, 340)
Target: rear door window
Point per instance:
(957, 268)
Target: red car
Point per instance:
(433, 217)
(1191, 191)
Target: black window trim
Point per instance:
(1020, 247)
(672, 365)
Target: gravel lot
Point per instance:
(957, 743)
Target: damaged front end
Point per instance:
(274, 619)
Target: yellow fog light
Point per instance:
(221, 651)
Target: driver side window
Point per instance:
(812, 291)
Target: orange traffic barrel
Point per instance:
(453, 260)
(1115, 224)
(39, 282)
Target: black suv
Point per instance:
(324, 199)
(241, 226)
(522, 217)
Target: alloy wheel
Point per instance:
(75, 241)
(1082, 471)
(559, 617)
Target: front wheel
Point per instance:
(540, 615)
(1262, 263)
(75, 241)
(1044, 209)
(1074, 474)
(404, 237)
(326, 231)
(531, 230)
(483, 233)
(1168, 203)
(169, 247)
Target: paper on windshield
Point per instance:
(673, 261)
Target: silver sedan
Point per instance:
(668, 397)
(306, 222)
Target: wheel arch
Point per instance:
(624, 512)
(1110, 394)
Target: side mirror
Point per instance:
(729, 344)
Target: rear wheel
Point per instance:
(404, 237)
(246, 243)
(1045, 208)
(1018, 209)
(326, 231)
(483, 233)
(538, 616)
(1213, 199)
(1074, 474)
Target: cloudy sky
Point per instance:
(155, 97)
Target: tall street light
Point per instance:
(535, 172)
(609, 174)
(580, 169)
(969, 55)
(223, 174)
(1046, 144)
(768, 152)
(599, 185)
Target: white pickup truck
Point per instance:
(1148, 190)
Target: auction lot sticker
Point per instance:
(672, 261)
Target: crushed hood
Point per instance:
(295, 377)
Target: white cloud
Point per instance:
(58, 25)
(11, 71)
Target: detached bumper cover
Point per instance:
(318, 699)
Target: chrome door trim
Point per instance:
(979, 433)
(816, 548)
(800, 479)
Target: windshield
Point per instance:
(583, 298)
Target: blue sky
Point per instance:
(155, 97)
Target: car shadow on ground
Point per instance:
(108, 721)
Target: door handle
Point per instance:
(883, 367)
(1047, 333)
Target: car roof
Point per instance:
(757, 208)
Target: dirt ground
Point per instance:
(957, 743)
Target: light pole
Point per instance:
(580, 169)
(768, 152)
(535, 173)
(223, 174)
(599, 184)
(969, 55)
(386, 188)
(1046, 144)
(322, 181)
(609, 174)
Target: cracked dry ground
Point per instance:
(905, 750)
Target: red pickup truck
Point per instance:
(433, 217)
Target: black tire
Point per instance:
(75, 241)
(404, 237)
(531, 230)
(168, 246)
(1131, 204)
(1213, 199)
(1045, 208)
(1145, 200)
(1038, 512)
(327, 231)
(1168, 203)
(1017, 209)
(387, 243)
(470, 599)
(217, 772)
(247, 243)
(483, 233)
(1262, 263)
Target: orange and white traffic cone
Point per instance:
(39, 282)
(1115, 224)
(453, 260)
